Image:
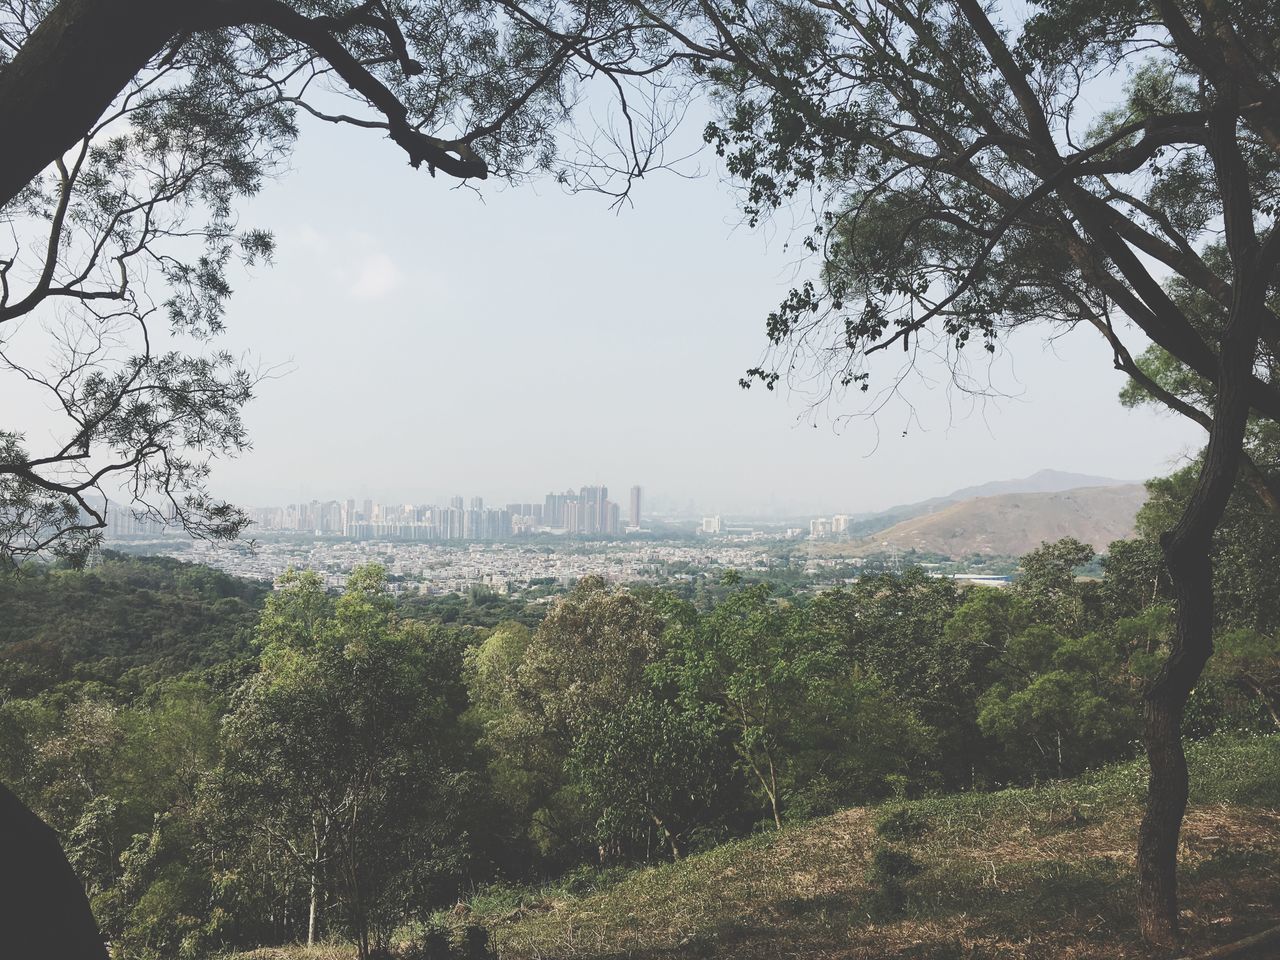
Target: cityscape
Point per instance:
(502, 568)
(586, 512)
(445, 548)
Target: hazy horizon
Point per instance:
(435, 341)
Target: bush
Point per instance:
(901, 823)
(432, 943)
(472, 943)
(889, 868)
(439, 941)
(891, 865)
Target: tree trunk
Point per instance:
(673, 841)
(773, 803)
(773, 794)
(311, 913)
(1187, 547)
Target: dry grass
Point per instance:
(1022, 875)
(324, 951)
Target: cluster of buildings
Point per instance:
(123, 523)
(823, 529)
(587, 511)
(441, 568)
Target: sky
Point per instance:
(430, 341)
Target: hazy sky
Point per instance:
(505, 344)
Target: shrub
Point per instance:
(889, 868)
(901, 823)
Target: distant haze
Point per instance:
(441, 344)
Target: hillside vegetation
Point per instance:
(1044, 872)
(336, 769)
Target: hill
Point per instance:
(1043, 481)
(128, 620)
(1013, 524)
(1019, 874)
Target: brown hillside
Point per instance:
(1015, 523)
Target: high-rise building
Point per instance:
(593, 517)
(572, 516)
(636, 494)
(553, 513)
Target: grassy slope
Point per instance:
(1034, 873)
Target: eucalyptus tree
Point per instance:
(536, 696)
(964, 183)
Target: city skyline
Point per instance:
(585, 511)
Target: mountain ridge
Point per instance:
(1013, 524)
(1042, 481)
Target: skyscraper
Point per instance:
(636, 494)
(593, 515)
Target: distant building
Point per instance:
(712, 525)
(840, 524)
(636, 495)
(593, 515)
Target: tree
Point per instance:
(963, 186)
(1071, 697)
(653, 763)
(931, 652)
(755, 660)
(536, 697)
(1048, 583)
(339, 754)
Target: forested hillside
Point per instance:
(125, 621)
(230, 767)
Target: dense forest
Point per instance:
(230, 766)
